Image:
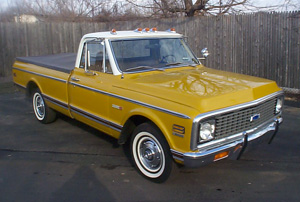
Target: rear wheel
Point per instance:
(42, 112)
(151, 153)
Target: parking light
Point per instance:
(221, 155)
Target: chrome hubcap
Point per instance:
(150, 154)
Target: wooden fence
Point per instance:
(261, 44)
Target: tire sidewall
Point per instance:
(151, 131)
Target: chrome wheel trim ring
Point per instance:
(38, 106)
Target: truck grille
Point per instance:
(238, 121)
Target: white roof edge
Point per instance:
(131, 34)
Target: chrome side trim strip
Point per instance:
(56, 102)
(200, 117)
(97, 119)
(42, 75)
(90, 116)
(133, 101)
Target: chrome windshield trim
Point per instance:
(197, 119)
(97, 119)
(133, 101)
(42, 75)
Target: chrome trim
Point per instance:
(42, 75)
(56, 102)
(133, 101)
(220, 142)
(216, 143)
(238, 140)
(97, 119)
(196, 121)
(90, 116)
(177, 155)
(271, 126)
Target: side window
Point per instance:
(96, 51)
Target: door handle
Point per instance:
(75, 79)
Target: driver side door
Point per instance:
(88, 86)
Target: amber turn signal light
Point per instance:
(154, 29)
(113, 31)
(221, 155)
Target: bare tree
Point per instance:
(112, 10)
(75, 10)
(189, 8)
(169, 8)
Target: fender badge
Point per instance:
(117, 107)
(254, 117)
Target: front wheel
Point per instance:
(42, 112)
(151, 153)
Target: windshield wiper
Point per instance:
(143, 67)
(175, 63)
(179, 63)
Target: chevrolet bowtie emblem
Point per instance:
(254, 117)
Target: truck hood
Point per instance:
(202, 88)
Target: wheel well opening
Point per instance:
(31, 86)
(129, 126)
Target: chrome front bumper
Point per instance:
(233, 146)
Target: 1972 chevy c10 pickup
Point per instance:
(147, 88)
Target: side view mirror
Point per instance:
(205, 54)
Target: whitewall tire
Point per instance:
(151, 153)
(42, 112)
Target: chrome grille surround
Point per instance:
(236, 119)
(240, 120)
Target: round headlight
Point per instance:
(207, 131)
(279, 105)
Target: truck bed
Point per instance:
(64, 62)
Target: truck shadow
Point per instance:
(90, 130)
(83, 186)
(110, 140)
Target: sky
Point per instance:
(261, 3)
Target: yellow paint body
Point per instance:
(189, 91)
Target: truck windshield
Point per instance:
(152, 54)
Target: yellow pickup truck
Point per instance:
(146, 88)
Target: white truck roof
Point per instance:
(132, 34)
